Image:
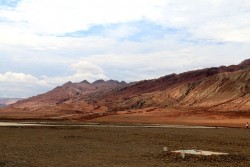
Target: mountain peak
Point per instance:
(68, 83)
(245, 62)
(98, 81)
(85, 81)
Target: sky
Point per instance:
(45, 43)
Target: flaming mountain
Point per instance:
(207, 95)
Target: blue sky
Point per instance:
(45, 43)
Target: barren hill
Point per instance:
(218, 92)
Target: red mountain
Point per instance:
(218, 92)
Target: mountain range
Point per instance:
(8, 101)
(210, 94)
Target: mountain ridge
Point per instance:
(223, 91)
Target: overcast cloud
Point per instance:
(45, 43)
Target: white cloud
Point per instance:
(59, 16)
(84, 70)
(122, 31)
(21, 85)
(219, 20)
(19, 78)
(86, 67)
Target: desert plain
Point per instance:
(120, 146)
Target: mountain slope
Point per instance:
(222, 91)
(207, 88)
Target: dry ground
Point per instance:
(149, 115)
(157, 116)
(120, 147)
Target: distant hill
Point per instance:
(8, 101)
(2, 105)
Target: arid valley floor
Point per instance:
(121, 146)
